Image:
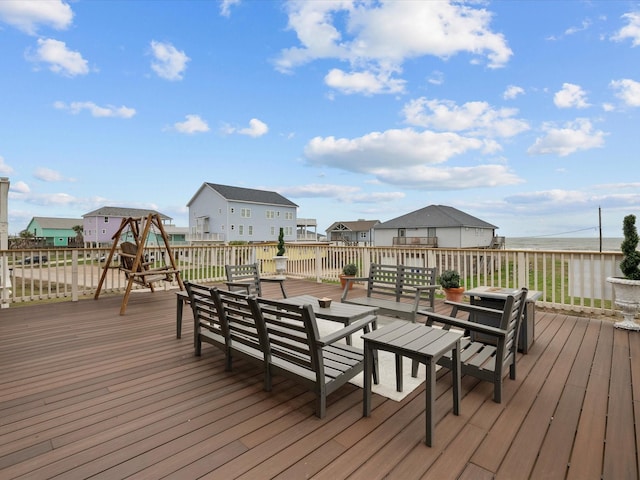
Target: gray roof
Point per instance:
(356, 226)
(57, 223)
(435, 216)
(249, 195)
(122, 212)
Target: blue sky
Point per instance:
(524, 114)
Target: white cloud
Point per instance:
(371, 42)
(225, 7)
(512, 92)
(627, 90)
(169, 63)
(575, 136)
(345, 193)
(19, 188)
(366, 82)
(48, 175)
(192, 124)
(631, 30)
(28, 15)
(475, 118)
(571, 96)
(400, 148)
(95, 110)
(256, 128)
(60, 59)
(449, 178)
(4, 168)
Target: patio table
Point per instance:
(418, 342)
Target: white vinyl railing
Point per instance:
(568, 280)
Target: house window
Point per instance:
(270, 214)
(233, 227)
(240, 229)
(288, 215)
(106, 219)
(104, 232)
(288, 231)
(232, 210)
(250, 230)
(363, 234)
(273, 231)
(245, 213)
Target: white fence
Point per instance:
(569, 280)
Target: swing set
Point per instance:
(136, 267)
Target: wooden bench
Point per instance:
(397, 290)
(298, 352)
(281, 338)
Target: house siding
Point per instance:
(214, 218)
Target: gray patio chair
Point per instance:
(487, 351)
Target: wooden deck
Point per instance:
(85, 392)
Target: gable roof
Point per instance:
(52, 223)
(123, 212)
(435, 216)
(357, 226)
(249, 195)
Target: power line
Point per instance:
(564, 233)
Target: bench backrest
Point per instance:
(292, 339)
(397, 281)
(205, 311)
(237, 316)
(249, 274)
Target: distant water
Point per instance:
(563, 243)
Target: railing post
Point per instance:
(74, 275)
(523, 269)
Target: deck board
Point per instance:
(85, 392)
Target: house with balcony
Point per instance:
(223, 214)
(100, 225)
(359, 232)
(437, 226)
(54, 232)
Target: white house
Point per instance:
(436, 226)
(352, 233)
(222, 213)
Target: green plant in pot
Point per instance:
(626, 289)
(449, 280)
(350, 270)
(280, 258)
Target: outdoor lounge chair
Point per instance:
(487, 351)
(247, 278)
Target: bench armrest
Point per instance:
(464, 324)
(272, 280)
(245, 285)
(347, 285)
(362, 324)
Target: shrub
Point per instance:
(350, 269)
(631, 256)
(449, 279)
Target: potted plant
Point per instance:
(449, 280)
(626, 290)
(350, 270)
(280, 258)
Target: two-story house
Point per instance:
(222, 213)
(100, 225)
(352, 233)
(436, 226)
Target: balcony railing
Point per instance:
(416, 241)
(568, 280)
